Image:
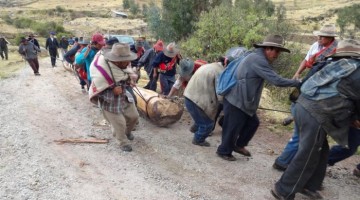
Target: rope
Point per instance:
(274, 110)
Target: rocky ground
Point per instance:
(36, 110)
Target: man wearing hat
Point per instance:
(165, 65)
(110, 76)
(146, 60)
(28, 51)
(187, 69)
(325, 46)
(33, 40)
(240, 104)
(64, 44)
(328, 104)
(318, 52)
(52, 46)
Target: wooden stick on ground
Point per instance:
(82, 140)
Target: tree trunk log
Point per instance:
(159, 111)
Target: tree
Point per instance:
(345, 20)
(178, 18)
(126, 4)
(145, 10)
(134, 8)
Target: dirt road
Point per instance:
(36, 110)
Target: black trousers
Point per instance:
(307, 169)
(238, 128)
(53, 56)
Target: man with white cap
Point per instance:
(240, 104)
(328, 104)
(110, 76)
(325, 46)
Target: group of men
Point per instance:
(328, 104)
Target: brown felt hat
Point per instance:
(347, 48)
(273, 41)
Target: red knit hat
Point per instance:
(159, 45)
(98, 38)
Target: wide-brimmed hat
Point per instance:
(120, 52)
(328, 30)
(85, 41)
(171, 50)
(347, 48)
(186, 67)
(159, 45)
(273, 41)
(52, 33)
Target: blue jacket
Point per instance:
(80, 59)
(250, 75)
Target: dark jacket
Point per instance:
(51, 44)
(162, 58)
(147, 59)
(3, 44)
(35, 42)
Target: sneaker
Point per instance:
(356, 172)
(228, 157)
(242, 151)
(278, 167)
(311, 194)
(203, 144)
(126, 148)
(130, 136)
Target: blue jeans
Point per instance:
(339, 153)
(203, 123)
(166, 83)
(291, 147)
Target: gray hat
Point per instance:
(120, 52)
(171, 50)
(347, 48)
(186, 67)
(326, 31)
(273, 41)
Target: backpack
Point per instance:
(227, 79)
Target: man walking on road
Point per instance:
(52, 46)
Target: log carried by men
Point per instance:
(159, 111)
